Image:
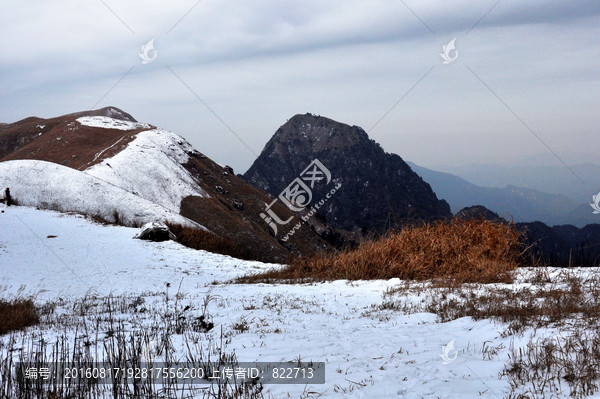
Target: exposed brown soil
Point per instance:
(61, 140)
(233, 212)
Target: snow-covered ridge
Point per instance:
(110, 123)
(144, 182)
(151, 167)
(52, 186)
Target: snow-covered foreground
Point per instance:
(368, 352)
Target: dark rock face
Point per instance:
(564, 245)
(376, 191)
(477, 212)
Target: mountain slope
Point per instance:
(377, 190)
(511, 202)
(52, 186)
(148, 166)
(135, 168)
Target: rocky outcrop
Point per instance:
(376, 190)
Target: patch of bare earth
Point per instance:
(62, 140)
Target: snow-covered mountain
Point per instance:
(104, 163)
(142, 183)
(163, 180)
(48, 185)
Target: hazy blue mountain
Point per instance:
(549, 159)
(579, 182)
(520, 204)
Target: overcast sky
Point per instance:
(227, 74)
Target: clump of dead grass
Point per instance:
(463, 251)
(17, 314)
(545, 365)
(199, 239)
(570, 298)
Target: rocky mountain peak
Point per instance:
(379, 189)
(308, 132)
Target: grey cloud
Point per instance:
(259, 62)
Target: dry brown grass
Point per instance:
(570, 298)
(563, 360)
(62, 342)
(545, 367)
(200, 239)
(460, 251)
(17, 314)
(524, 308)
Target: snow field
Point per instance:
(369, 352)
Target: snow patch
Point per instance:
(52, 186)
(151, 167)
(110, 123)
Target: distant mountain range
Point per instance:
(511, 202)
(579, 181)
(377, 190)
